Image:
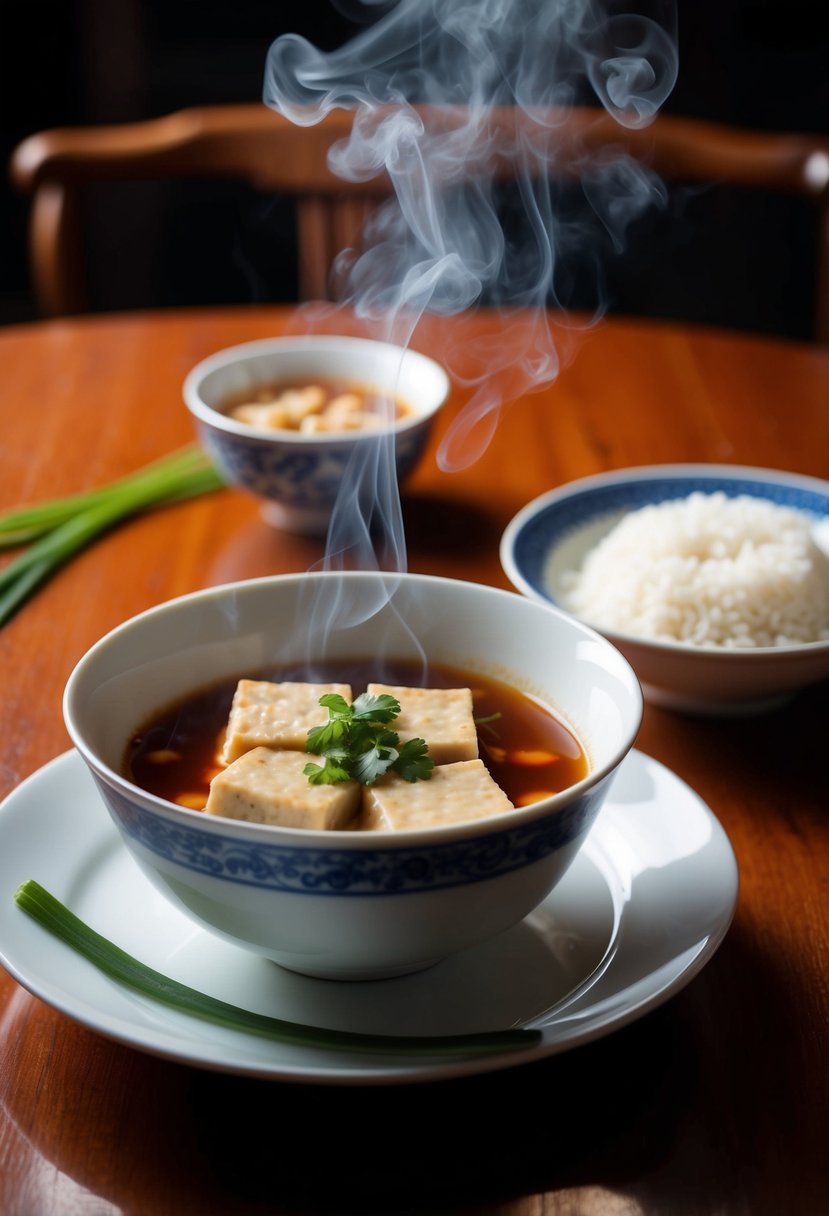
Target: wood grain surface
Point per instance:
(715, 1103)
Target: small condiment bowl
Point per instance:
(550, 537)
(352, 904)
(299, 476)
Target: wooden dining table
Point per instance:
(714, 1103)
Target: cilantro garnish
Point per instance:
(356, 744)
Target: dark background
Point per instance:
(714, 255)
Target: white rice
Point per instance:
(707, 570)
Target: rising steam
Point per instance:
(463, 105)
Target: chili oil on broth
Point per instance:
(528, 750)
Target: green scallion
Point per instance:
(56, 530)
(55, 917)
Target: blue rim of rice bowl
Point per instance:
(552, 518)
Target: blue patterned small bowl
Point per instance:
(299, 477)
(550, 537)
(348, 904)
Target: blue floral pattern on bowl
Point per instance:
(369, 870)
(544, 530)
(299, 476)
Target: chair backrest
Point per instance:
(253, 144)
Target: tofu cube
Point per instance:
(266, 786)
(264, 714)
(268, 417)
(455, 793)
(319, 424)
(443, 717)
(302, 402)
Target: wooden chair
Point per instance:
(253, 144)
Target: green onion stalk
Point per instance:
(53, 532)
(47, 911)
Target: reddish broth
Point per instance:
(527, 749)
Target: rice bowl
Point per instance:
(550, 539)
(707, 570)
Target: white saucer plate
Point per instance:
(643, 907)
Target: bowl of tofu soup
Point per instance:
(353, 774)
(294, 420)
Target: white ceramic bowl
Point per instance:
(351, 904)
(552, 535)
(299, 476)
